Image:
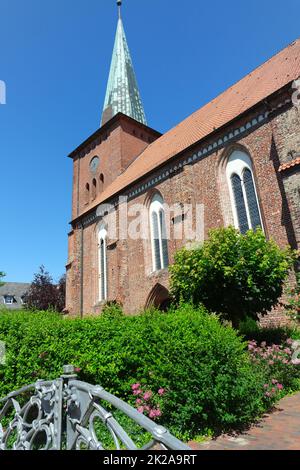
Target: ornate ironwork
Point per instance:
(69, 414)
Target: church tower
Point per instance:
(123, 133)
(97, 162)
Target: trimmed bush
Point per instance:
(208, 379)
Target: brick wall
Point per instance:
(130, 277)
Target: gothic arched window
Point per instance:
(243, 194)
(159, 240)
(102, 264)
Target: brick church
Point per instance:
(238, 157)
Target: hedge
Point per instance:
(208, 378)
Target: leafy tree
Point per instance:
(43, 294)
(61, 294)
(1, 277)
(232, 274)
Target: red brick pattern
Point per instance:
(279, 430)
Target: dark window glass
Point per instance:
(164, 240)
(155, 234)
(102, 269)
(251, 199)
(239, 203)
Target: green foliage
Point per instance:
(112, 310)
(232, 274)
(203, 366)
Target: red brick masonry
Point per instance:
(279, 430)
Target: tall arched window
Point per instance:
(246, 211)
(87, 193)
(101, 183)
(94, 188)
(102, 264)
(159, 240)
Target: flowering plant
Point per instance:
(272, 390)
(278, 365)
(147, 402)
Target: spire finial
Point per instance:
(119, 3)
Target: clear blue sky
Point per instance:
(55, 57)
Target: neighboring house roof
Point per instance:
(14, 289)
(277, 72)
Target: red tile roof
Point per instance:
(270, 77)
(286, 166)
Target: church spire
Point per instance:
(122, 93)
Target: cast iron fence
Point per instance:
(69, 414)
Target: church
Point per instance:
(235, 161)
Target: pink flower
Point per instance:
(140, 409)
(279, 386)
(161, 391)
(274, 381)
(135, 386)
(138, 401)
(273, 390)
(266, 386)
(155, 413)
(263, 344)
(147, 395)
(137, 392)
(289, 341)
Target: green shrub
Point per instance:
(203, 367)
(232, 274)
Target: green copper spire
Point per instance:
(122, 93)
